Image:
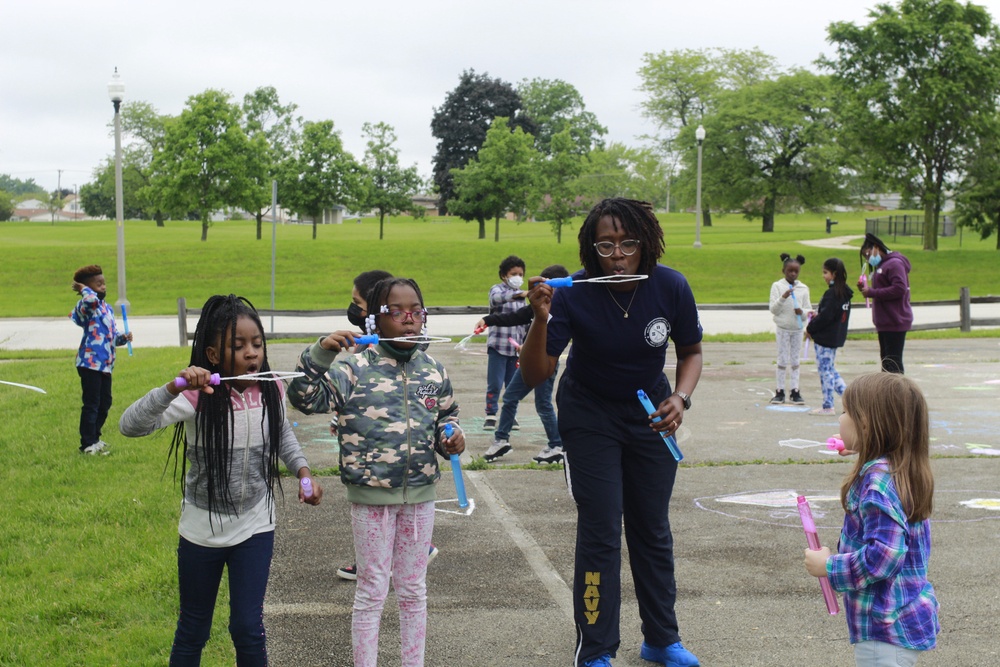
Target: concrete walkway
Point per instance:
(500, 591)
(162, 331)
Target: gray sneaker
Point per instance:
(490, 423)
(99, 447)
(496, 450)
(549, 455)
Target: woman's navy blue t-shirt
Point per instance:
(614, 356)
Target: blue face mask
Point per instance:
(874, 260)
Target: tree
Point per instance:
(460, 124)
(98, 197)
(320, 174)
(17, 187)
(918, 86)
(6, 205)
(207, 163)
(554, 105)
(499, 179)
(389, 187)
(558, 196)
(276, 124)
(772, 148)
(683, 86)
(977, 200)
(144, 130)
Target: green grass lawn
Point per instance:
(88, 546)
(736, 264)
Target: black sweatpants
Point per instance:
(96, 390)
(890, 349)
(617, 466)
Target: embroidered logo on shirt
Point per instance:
(657, 332)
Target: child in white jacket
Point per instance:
(789, 304)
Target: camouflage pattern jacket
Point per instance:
(392, 413)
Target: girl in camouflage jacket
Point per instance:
(393, 401)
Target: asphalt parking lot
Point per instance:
(499, 593)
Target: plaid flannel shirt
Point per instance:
(882, 566)
(502, 300)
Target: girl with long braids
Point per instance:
(393, 402)
(229, 438)
(616, 463)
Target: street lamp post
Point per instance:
(116, 91)
(699, 134)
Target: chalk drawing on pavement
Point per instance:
(983, 504)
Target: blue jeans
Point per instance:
(199, 572)
(880, 654)
(517, 390)
(96, 390)
(499, 372)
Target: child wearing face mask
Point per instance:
(502, 343)
(789, 304)
(828, 330)
(96, 358)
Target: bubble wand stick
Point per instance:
(456, 470)
(24, 386)
(125, 320)
(812, 538)
(267, 376)
(374, 339)
(569, 282)
(669, 439)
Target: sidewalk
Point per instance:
(162, 331)
(499, 593)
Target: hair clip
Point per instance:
(384, 309)
(370, 323)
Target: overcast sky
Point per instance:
(354, 61)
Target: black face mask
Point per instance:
(101, 295)
(355, 315)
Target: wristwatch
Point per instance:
(686, 398)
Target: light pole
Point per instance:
(699, 134)
(116, 91)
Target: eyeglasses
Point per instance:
(607, 248)
(417, 316)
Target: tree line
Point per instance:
(907, 103)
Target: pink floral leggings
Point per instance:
(391, 541)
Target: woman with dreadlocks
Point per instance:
(230, 438)
(616, 462)
(394, 402)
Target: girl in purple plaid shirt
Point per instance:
(885, 544)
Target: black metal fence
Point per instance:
(906, 225)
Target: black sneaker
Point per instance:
(779, 397)
(796, 397)
(490, 423)
(350, 572)
(516, 426)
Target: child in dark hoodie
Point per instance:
(889, 289)
(828, 330)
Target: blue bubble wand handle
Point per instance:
(795, 304)
(125, 321)
(456, 470)
(669, 439)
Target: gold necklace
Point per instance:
(624, 310)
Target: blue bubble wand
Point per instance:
(125, 321)
(669, 439)
(464, 502)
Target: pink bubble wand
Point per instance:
(812, 538)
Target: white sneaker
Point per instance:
(496, 450)
(99, 447)
(550, 455)
(432, 554)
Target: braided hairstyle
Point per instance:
(637, 218)
(214, 418)
(378, 296)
